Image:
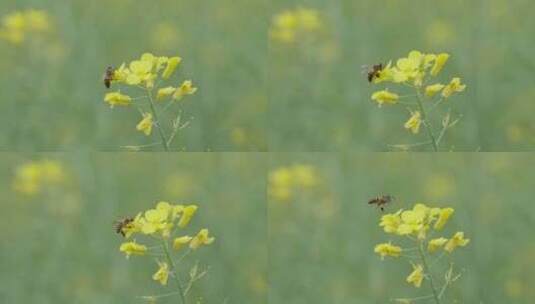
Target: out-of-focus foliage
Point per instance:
(59, 244)
(321, 244)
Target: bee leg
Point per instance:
(382, 209)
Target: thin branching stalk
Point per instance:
(173, 271)
(426, 122)
(165, 143)
(427, 270)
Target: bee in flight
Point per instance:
(372, 71)
(121, 224)
(108, 76)
(381, 201)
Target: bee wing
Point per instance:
(365, 69)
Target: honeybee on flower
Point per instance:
(147, 74)
(417, 71)
(165, 224)
(418, 225)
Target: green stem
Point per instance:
(173, 270)
(427, 270)
(157, 121)
(426, 122)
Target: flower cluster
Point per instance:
(162, 223)
(417, 225)
(289, 25)
(33, 177)
(18, 26)
(284, 181)
(417, 71)
(147, 73)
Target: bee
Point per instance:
(381, 201)
(373, 71)
(121, 224)
(108, 76)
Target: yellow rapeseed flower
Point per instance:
(133, 248)
(165, 92)
(414, 122)
(172, 63)
(416, 276)
(162, 274)
(181, 241)
(154, 220)
(384, 96)
(432, 90)
(387, 249)
(186, 88)
(453, 87)
(200, 239)
(187, 214)
(435, 244)
(117, 99)
(443, 217)
(145, 125)
(457, 240)
(391, 222)
(440, 61)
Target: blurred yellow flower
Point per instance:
(384, 96)
(186, 88)
(31, 177)
(171, 67)
(387, 249)
(117, 99)
(435, 244)
(284, 181)
(440, 33)
(15, 27)
(453, 87)
(432, 90)
(165, 92)
(179, 242)
(416, 276)
(440, 61)
(290, 25)
(133, 248)
(305, 175)
(414, 122)
(308, 19)
(443, 217)
(162, 274)
(200, 239)
(457, 240)
(145, 125)
(391, 222)
(187, 214)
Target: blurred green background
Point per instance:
(322, 239)
(319, 101)
(59, 246)
(52, 91)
